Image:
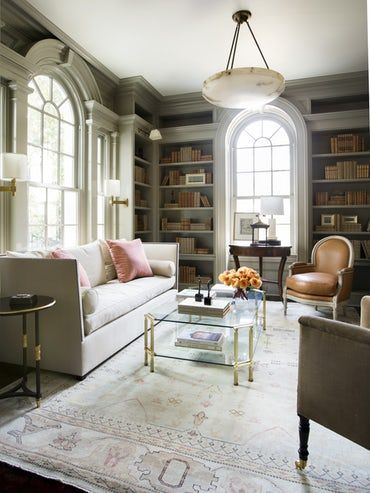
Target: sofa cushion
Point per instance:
(164, 268)
(62, 254)
(114, 299)
(91, 258)
(129, 259)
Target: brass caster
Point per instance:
(300, 464)
(38, 402)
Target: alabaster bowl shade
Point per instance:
(245, 87)
(13, 166)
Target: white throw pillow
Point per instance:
(91, 258)
(165, 268)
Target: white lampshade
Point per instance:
(245, 87)
(155, 134)
(13, 166)
(112, 188)
(272, 205)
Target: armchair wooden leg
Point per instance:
(304, 431)
(285, 301)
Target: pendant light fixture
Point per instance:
(244, 87)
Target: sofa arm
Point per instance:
(163, 251)
(332, 356)
(365, 312)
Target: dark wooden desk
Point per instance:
(261, 251)
(43, 302)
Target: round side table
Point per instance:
(43, 302)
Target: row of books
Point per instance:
(187, 245)
(219, 307)
(141, 175)
(352, 197)
(366, 247)
(347, 143)
(141, 222)
(186, 154)
(344, 170)
(139, 201)
(186, 224)
(188, 274)
(361, 248)
(188, 199)
(175, 177)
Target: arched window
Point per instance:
(53, 194)
(262, 166)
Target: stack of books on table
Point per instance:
(219, 307)
(200, 339)
(223, 291)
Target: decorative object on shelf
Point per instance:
(327, 219)
(259, 225)
(242, 279)
(12, 167)
(199, 296)
(244, 87)
(272, 206)
(113, 189)
(195, 178)
(208, 298)
(23, 300)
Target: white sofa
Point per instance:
(87, 325)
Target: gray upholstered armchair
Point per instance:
(333, 378)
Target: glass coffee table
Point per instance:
(238, 331)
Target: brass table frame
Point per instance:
(149, 350)
(21, 389)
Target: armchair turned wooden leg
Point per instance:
(304, 431)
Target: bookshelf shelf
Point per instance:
(142, 208)
(140, 184)
(341, 188)
(183, 158)
(140, 160)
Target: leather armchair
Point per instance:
(333, 378)
(327, 279)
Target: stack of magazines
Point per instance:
(200, 339)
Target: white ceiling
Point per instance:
(176, 44)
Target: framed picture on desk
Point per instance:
(242, 225)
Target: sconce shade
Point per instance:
(112, 188)
(272, 205)
(13, 166)
(244, 87)
(155, 134)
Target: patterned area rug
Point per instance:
(184, 428)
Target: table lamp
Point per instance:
(272, 206)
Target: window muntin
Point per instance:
(52, 195)
(262, 167)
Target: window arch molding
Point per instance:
(231, 123)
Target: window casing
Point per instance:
(262, 166)
(53, 196)
(101, 165)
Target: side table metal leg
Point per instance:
(236, 356)
(37, 359)
(25, 345)
(250, 377)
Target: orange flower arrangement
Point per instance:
(241, 279)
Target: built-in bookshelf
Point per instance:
(341, 191)
(186, 204)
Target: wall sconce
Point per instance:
(12, 166)
(155, 134)
(113, 189)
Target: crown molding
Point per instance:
(15, 66)
(56, 31)
(101, 116)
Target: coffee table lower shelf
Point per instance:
(152, 322)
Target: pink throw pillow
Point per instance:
(129, 259)
(84, 280)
